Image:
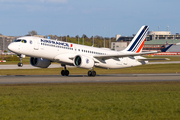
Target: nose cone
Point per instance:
(12, 47)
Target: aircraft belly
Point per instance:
(64, 58)
(114, 64)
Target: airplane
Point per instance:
(165, 49)
(43, 51)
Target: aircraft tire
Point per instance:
(20, 64)
(89, 73)
(92, 73)
(65, 72)
(62, 72)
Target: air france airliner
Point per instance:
(43, 51)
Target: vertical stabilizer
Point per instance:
(137, 43)
(165, 49)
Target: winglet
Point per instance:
(165, 49)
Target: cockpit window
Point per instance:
(20, 40)
(24, 41)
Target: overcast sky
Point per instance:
(73, 17)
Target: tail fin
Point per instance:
(137, 43)
(165, 49)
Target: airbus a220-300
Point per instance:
(43, 51)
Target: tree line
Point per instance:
(98, 40)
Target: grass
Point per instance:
(172, 58)
(159, 68)
(25, 60)
(91, 101)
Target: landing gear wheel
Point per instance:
(89, 73)
(92, 73)
(62, 72)
(20, 64)
(65, 72)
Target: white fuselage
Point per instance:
(62, 52)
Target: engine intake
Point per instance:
(83, 62)
(39, 62)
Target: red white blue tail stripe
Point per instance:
(137, 43)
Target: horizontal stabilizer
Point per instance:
(153, 59)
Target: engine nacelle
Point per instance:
(39, 62)
(83, 62)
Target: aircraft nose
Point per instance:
(11, 47)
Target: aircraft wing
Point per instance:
(104, 57)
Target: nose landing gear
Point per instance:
(20, 64)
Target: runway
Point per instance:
(85, 79)
(24, 79)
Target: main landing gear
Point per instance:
(92, 73)
(65, 72)
(20, 64)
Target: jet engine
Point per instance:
(39, 62)
(83, 62)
